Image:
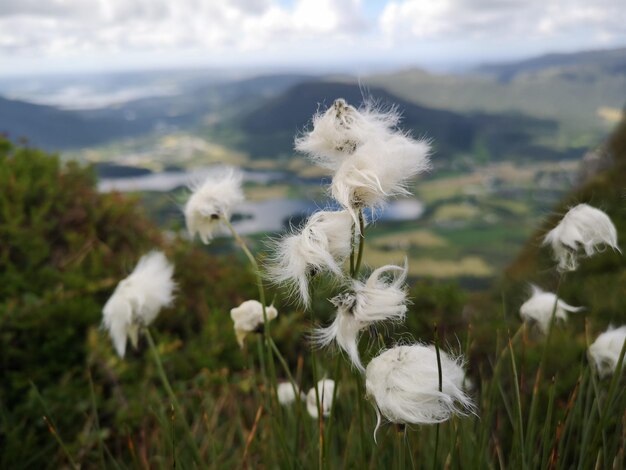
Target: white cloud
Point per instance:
(497, 18)
(65, 27)
(48, 35)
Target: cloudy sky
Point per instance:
(38, 36)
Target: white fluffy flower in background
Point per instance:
(541, 305)
(212, 200)
(138, 299)
(248, 317)
(325, 392)
(288, 393)
(606, 349)
(583, 228)
(403, 382)
(340, 130)
(322, 245)
(380, 298)
(378, 170)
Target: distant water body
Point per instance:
(169, 180)
(270, 215)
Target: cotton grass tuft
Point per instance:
(380, 298)
(322, 245)
(606, 349)
(248, 318)
(378, 170)
(540, 306)
(403, 383)
(342, 129)
(325, 392)
(212, 201)
(288, 393)
(137, 299)
(584, 230)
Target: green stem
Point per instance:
(255, 266)
(94, 406)
(440, 375)
(52, 428)
(401, 448)
(361, 244)
(352, 250)
(260, 287)
(518, 402)
(285, 366)
(172, 396)
(362, 435)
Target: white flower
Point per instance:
(248, 317)
(138, 299)
(378, 299)
(211, 201)
(540, 306)
(287, 393)
(377, 170)
(606, 349)
(321, 246)
(583, 228)
(339, 131)
(403, 382)
(325, 392)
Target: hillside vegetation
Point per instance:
(64, 246)
(600, 282)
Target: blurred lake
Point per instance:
(270, 215)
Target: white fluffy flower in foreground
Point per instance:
(211, 201)
(138, 299)
(322, 245)
(248, 317)
(377, 170)
(325, 392)
(287, 393)
(380, 298)
(403, 382)
(606, 349)
(339, 131)
(540, 306)
(583, 228)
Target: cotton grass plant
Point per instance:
(137, 300)
(542, 307)
(361, 370)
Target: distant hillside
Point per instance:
(269, 129)
(584, 92)
(216, 101)
(611, 61)
(55, 129)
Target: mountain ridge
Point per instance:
(270, 128)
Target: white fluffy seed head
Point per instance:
(539, 307)
(248, 317)
(381, 298)
(325, 392)
(403, 383)
(606, 349)
(287, 393)
(138, 299)
(583, 231)
(378, 170)
(211, 201)
(322, 245)
(340, 130)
